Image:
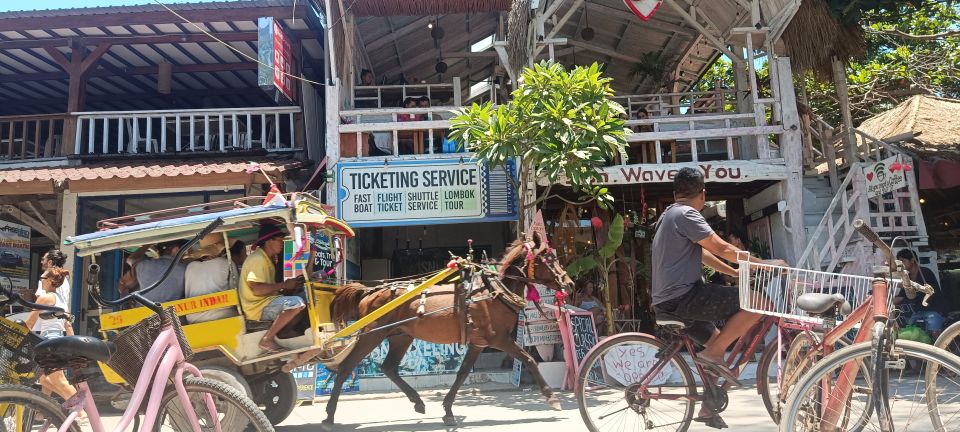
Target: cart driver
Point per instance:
(682, 245)
(262, 297)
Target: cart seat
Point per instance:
(69, 351)
(823, 304)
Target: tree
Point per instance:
(604, 259)
(560, 124)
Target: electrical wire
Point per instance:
(237, 50)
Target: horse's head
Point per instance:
(535, 261)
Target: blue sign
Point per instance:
(424, 192)
(325, 378)
(423, 358)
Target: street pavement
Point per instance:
(489, 410)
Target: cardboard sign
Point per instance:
(629, 364)
(885, 176)
(643, 8)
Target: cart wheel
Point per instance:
(227, 376)
(277, 394)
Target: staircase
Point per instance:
(831, 205)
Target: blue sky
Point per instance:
(7, 5)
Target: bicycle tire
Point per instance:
(861, 352)
(688, 386)
(243, 416)
(771, 396)
(949, 342)
(37, 403)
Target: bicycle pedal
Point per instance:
(898, 364)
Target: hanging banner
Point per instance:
(423, 192)
(275, 56)
(643, 8)
(886, 176)
(15, 253)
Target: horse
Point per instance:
(493, 321)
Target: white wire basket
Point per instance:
(773, 290)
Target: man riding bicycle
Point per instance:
(682, 245)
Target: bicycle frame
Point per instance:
(165, 359)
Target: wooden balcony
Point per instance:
(31, 138)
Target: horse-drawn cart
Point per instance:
(227, 349)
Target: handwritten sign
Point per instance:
(584, 334)
(885, 176)
(629, 364)
(422, 191)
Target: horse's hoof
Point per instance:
(449, 420)
(328, 420)
(554, 403)
(420, 408)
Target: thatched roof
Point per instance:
(814, 36)
(934, 122)
(424, 7)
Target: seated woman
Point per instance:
(588, 301)
(211, 272)
(261, 296)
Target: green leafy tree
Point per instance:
(561, 124)
(602, 258)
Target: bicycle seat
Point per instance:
(670, 322)
(61, 352)
(817, 303)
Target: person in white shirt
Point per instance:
(53, 259)
(211, 272)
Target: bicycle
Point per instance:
(850, 389)
(149, 355)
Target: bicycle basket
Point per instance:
(773, 290)
(134, 342)
(16, 353)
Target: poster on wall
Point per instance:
(422, 358)
(15, 253)
(325, 380)
(423, 192)
(885, 176)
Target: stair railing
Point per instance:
(826, 245)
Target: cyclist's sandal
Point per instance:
(713, 421)
(719, 370)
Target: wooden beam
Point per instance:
(703, 31)
(93, 57)
(186, 94)
(425, 56)
(654, 24)
(121, 71)
(602, 50)
(145, 39)
(58, 57)
(28, 220)
(398, 33)
(120, 16)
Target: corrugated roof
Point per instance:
(146, 7)
(425, 7)
(142, 169)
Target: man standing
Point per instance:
(932, 314)
(682, 245)
(261, 296)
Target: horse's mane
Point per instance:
(346, 303)
(514, 252)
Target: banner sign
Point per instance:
(885, 176)
(306, 378)
(423, 192)
(275, 55)
(730, 171)
(422, 358)
(15, 253)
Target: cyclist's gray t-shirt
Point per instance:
(677, 258)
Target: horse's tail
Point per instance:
(346, 305)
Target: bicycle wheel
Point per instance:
(234, 411)
(611, 398)
(949, 340)
(24, 409)
(909, 391)
(774, 380)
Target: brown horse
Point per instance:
(493, 322)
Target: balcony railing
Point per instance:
(396, 131)
(179, 131)
(387, 96)
(25, 138)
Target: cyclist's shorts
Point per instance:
(703, 305)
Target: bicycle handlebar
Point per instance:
(50, 312)
(93, 274)
(896, 268)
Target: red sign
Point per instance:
(275, 55)
(643, 8)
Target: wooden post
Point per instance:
(76, 67)
(791, 148)
(830, 153)
(843, 95)
(748, 144)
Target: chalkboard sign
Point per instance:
(583, 337)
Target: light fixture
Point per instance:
(587, 33)
(923, 201)
(430, 25)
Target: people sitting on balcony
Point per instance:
(366, 77)
(408, 103)
(146, 271)
(261, 296)
(641, 152)
(423, 102)
(934, 312)
(211, 272)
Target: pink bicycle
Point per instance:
(152, 354)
